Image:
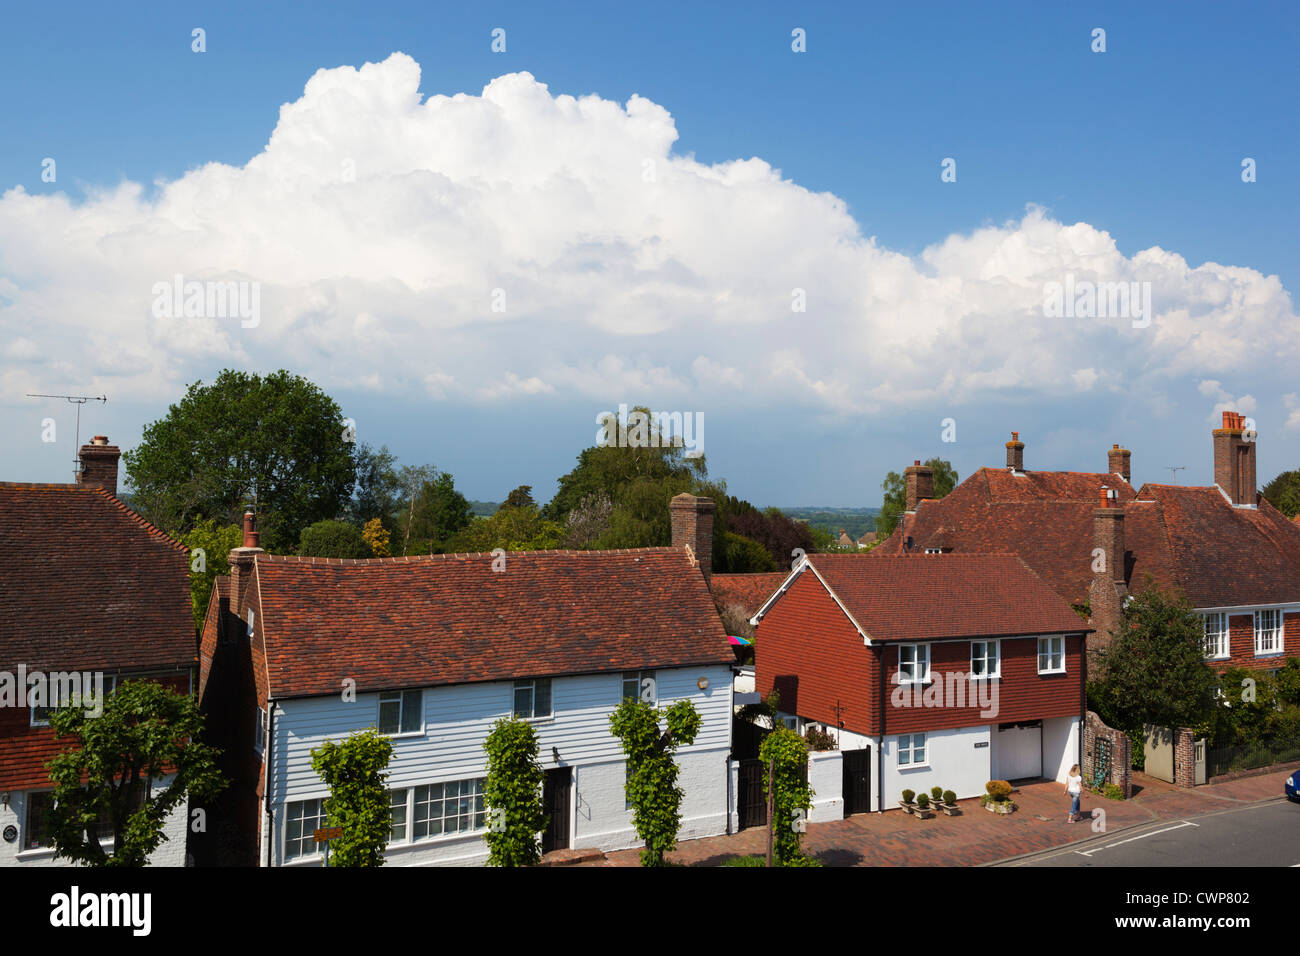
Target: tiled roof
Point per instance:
(931, 596)
(1189, 539)
(1044, 517)
(1217, 554)
(747, 590)
(450, 619)
(87, 584)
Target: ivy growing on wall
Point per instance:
(787, 753)
(513, 794)
(355, 772)
(652, 788)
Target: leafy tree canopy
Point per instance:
(333, 539)
(209, 547)
(277, 440)
(511, 528)
(437, 511)
(1283, 493)
(512, 792)
(145, 732)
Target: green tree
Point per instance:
(439, 512)
(333, 539)
(1154, 670)
(743, 556)
(276, 440)
(787, 754)
(209, 547)
(652, 787)
(355, 772)
(1283, 493)
(378, 492)
(895, 489)
(145, 733)
(513, 794)
(521, 497)
(511, 528)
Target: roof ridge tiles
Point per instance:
(408, 558)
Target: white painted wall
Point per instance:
(458, 719)
(826, 777)
(171, 852)
(1017, 752)
(1060, 746)
(953, 762)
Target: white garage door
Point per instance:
(1020, 751)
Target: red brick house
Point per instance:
(929, 670)
(1095, 540)
(87, 587)
(432, 650)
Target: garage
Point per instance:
(1019, 752)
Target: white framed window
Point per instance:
(397, 804)
(302, 819)
(913, 663)
(985, 659)
(1051, 655)
(1214, 642)
(635, 686)
(1268, 632)
(40, 716)
(259, 730)
(453, 807)
(911, 750)
(533, 698)
(934, 551)
(36, 825)
(401, 712)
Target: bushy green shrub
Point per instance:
(923, 801)
(909, 796)
(949, 797)
(998, 789)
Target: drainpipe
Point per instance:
(266, 776)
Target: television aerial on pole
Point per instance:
(1174, 470)
(77, 400)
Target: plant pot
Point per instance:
(907, 807)
(922, 814)
(950, 809)
(1000, 806)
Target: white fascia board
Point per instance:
(806, 565)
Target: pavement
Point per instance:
(976, 837)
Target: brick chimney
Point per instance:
(1108, 589)
(99, 464)
(692, 521)
(1016, 453)
(1234, 459)
(918, 484)
(1117, 462)
(242, 560)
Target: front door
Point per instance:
(555, 802)
(857, 781)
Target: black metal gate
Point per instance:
(751, 804)
(857, 781)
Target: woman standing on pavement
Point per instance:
(1073, 788)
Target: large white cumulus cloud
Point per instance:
(380, 225)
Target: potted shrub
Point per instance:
(998, 798)
(922, 805)
(906, 803)
(936, 797)
(950, 803)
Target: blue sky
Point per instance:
(1143, 142)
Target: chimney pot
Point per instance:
(1117, 462)
(918, 484)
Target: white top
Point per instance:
(1075, 784)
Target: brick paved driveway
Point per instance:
(976, 836)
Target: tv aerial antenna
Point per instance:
(77, 400)
(1174, 470)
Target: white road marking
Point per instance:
(1176, 826)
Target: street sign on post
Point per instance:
(324, 835)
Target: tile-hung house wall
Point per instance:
(951, 670)
(432, 651)
(86, 586)
(437, 770)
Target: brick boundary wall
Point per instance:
(1184, 758)
(1121, 753)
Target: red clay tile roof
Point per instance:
(87, 584)
(450, 619)
(1044, 517)
(919, 597)
(1189, 539)
(747, 590)
(1217, 554)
